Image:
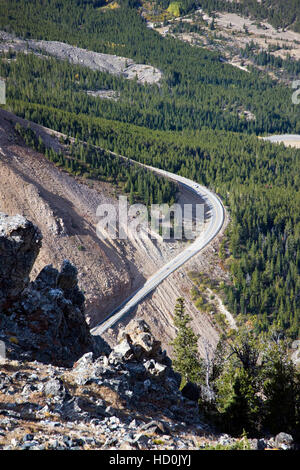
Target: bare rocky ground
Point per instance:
(113, 64)
(262, 33)
(122, 401)
(233, 32)
(111, 403)
(289, 140)
(61, 388)
(64, 208)
(126, 399)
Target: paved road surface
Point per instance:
(283, 138)
(216, 220)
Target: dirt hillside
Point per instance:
(64, 208)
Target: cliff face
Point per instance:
(44, 319)
(20, 242)
(61, 388)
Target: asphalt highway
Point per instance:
(216, 216)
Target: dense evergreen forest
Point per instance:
(191, 124)
(81, 159)
(259, 182)
(214, 100)
(198, 89)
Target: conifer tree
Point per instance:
(187, 361)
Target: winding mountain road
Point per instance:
(215, 211)
(216, 219)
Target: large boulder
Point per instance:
(137, 333)
(142, 354)
(137, 374)
(284, 441)
(20, 243)
(45, 318)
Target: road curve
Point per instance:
(217, 215)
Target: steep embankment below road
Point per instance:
(64, 207)
(215, 222)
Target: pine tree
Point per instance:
(131, 195)
(185, 346)
(281, 388)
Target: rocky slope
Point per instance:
(39, 320)
(64, 208)
(232, 33)
(121, 66)
(126, 400)
(61, 388)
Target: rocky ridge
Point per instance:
(61, 388)
(39, 320)
(128, 399)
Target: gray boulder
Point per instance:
(20, 243)
(284, 441)
(45, 318)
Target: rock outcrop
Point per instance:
(44, 319)
(70, 388)
(127, 399)
(139, 372)
(20, 242)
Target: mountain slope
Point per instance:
(109, 271)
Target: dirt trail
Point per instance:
(289, 140)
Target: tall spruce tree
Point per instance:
(186, 357)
